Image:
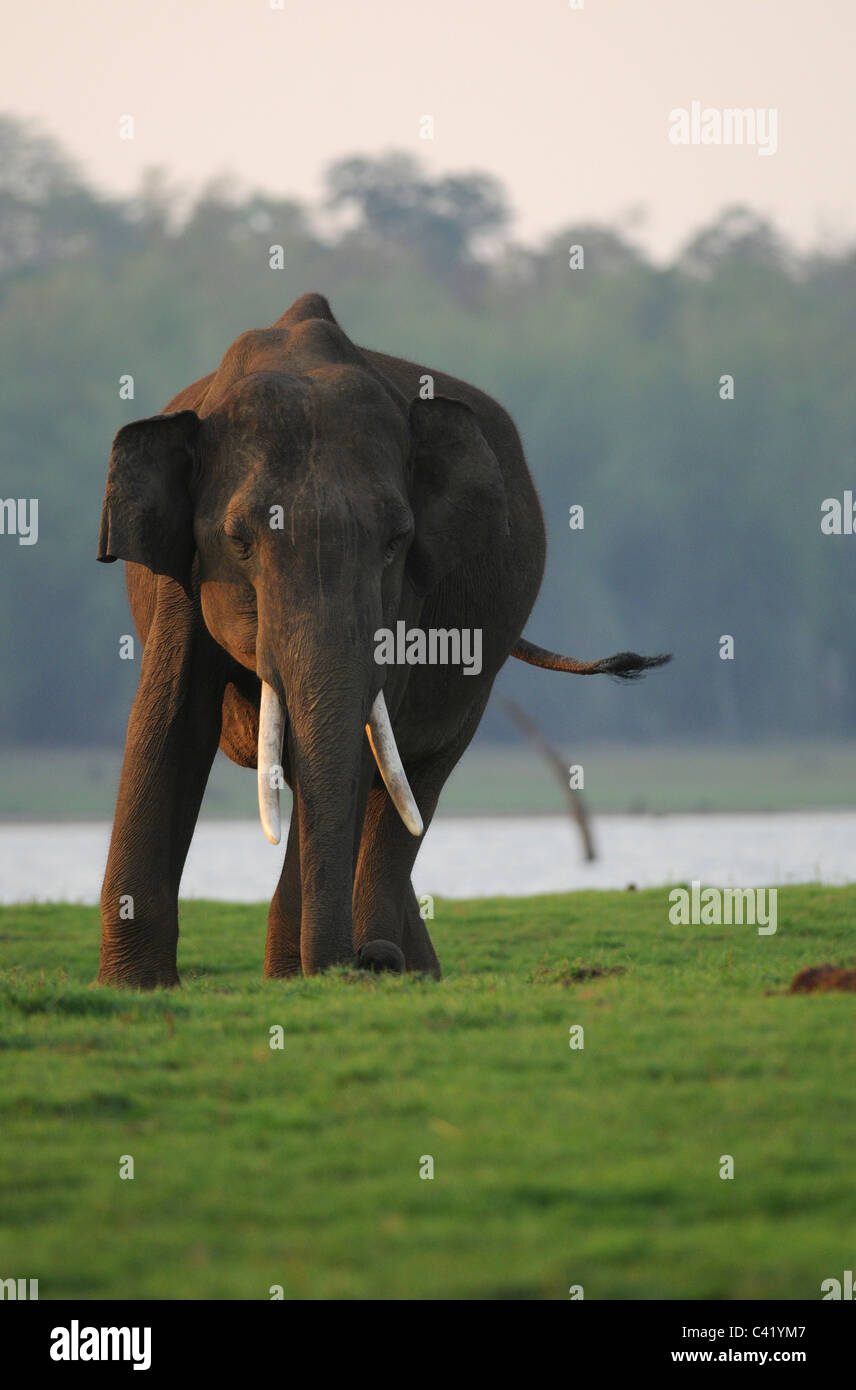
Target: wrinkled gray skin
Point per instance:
(395, 507)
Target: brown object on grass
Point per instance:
(817, 978)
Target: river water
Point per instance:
(471, 856)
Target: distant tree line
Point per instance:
(702, 513)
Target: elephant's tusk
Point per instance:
(271, 727)
(388, 759)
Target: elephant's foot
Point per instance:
(381, 955)
(142, 952)
(282, 967)
(282, 949)
(132, 975)
(418, 948)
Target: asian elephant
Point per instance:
(282, 511)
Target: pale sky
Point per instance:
(569, 108)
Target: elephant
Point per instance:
(275, 517)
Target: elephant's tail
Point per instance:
(627, 666)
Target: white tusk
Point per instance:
(271, 727)
(388, 759)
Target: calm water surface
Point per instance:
(480, 856)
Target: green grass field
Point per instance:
(552, 1167)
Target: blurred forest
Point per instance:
(702, 515)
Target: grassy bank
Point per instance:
(79, 784)
(552, 1167)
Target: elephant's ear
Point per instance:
(147, 515)
(457, 491)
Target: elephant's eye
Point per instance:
(394, 547)
(239, 538)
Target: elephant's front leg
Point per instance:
(418, 948)
(282, 950)
(385, 906)
(173, 734)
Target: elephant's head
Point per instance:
(319, 506)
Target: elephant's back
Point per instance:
(497, 425)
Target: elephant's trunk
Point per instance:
(315, 659)
(381, 741)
